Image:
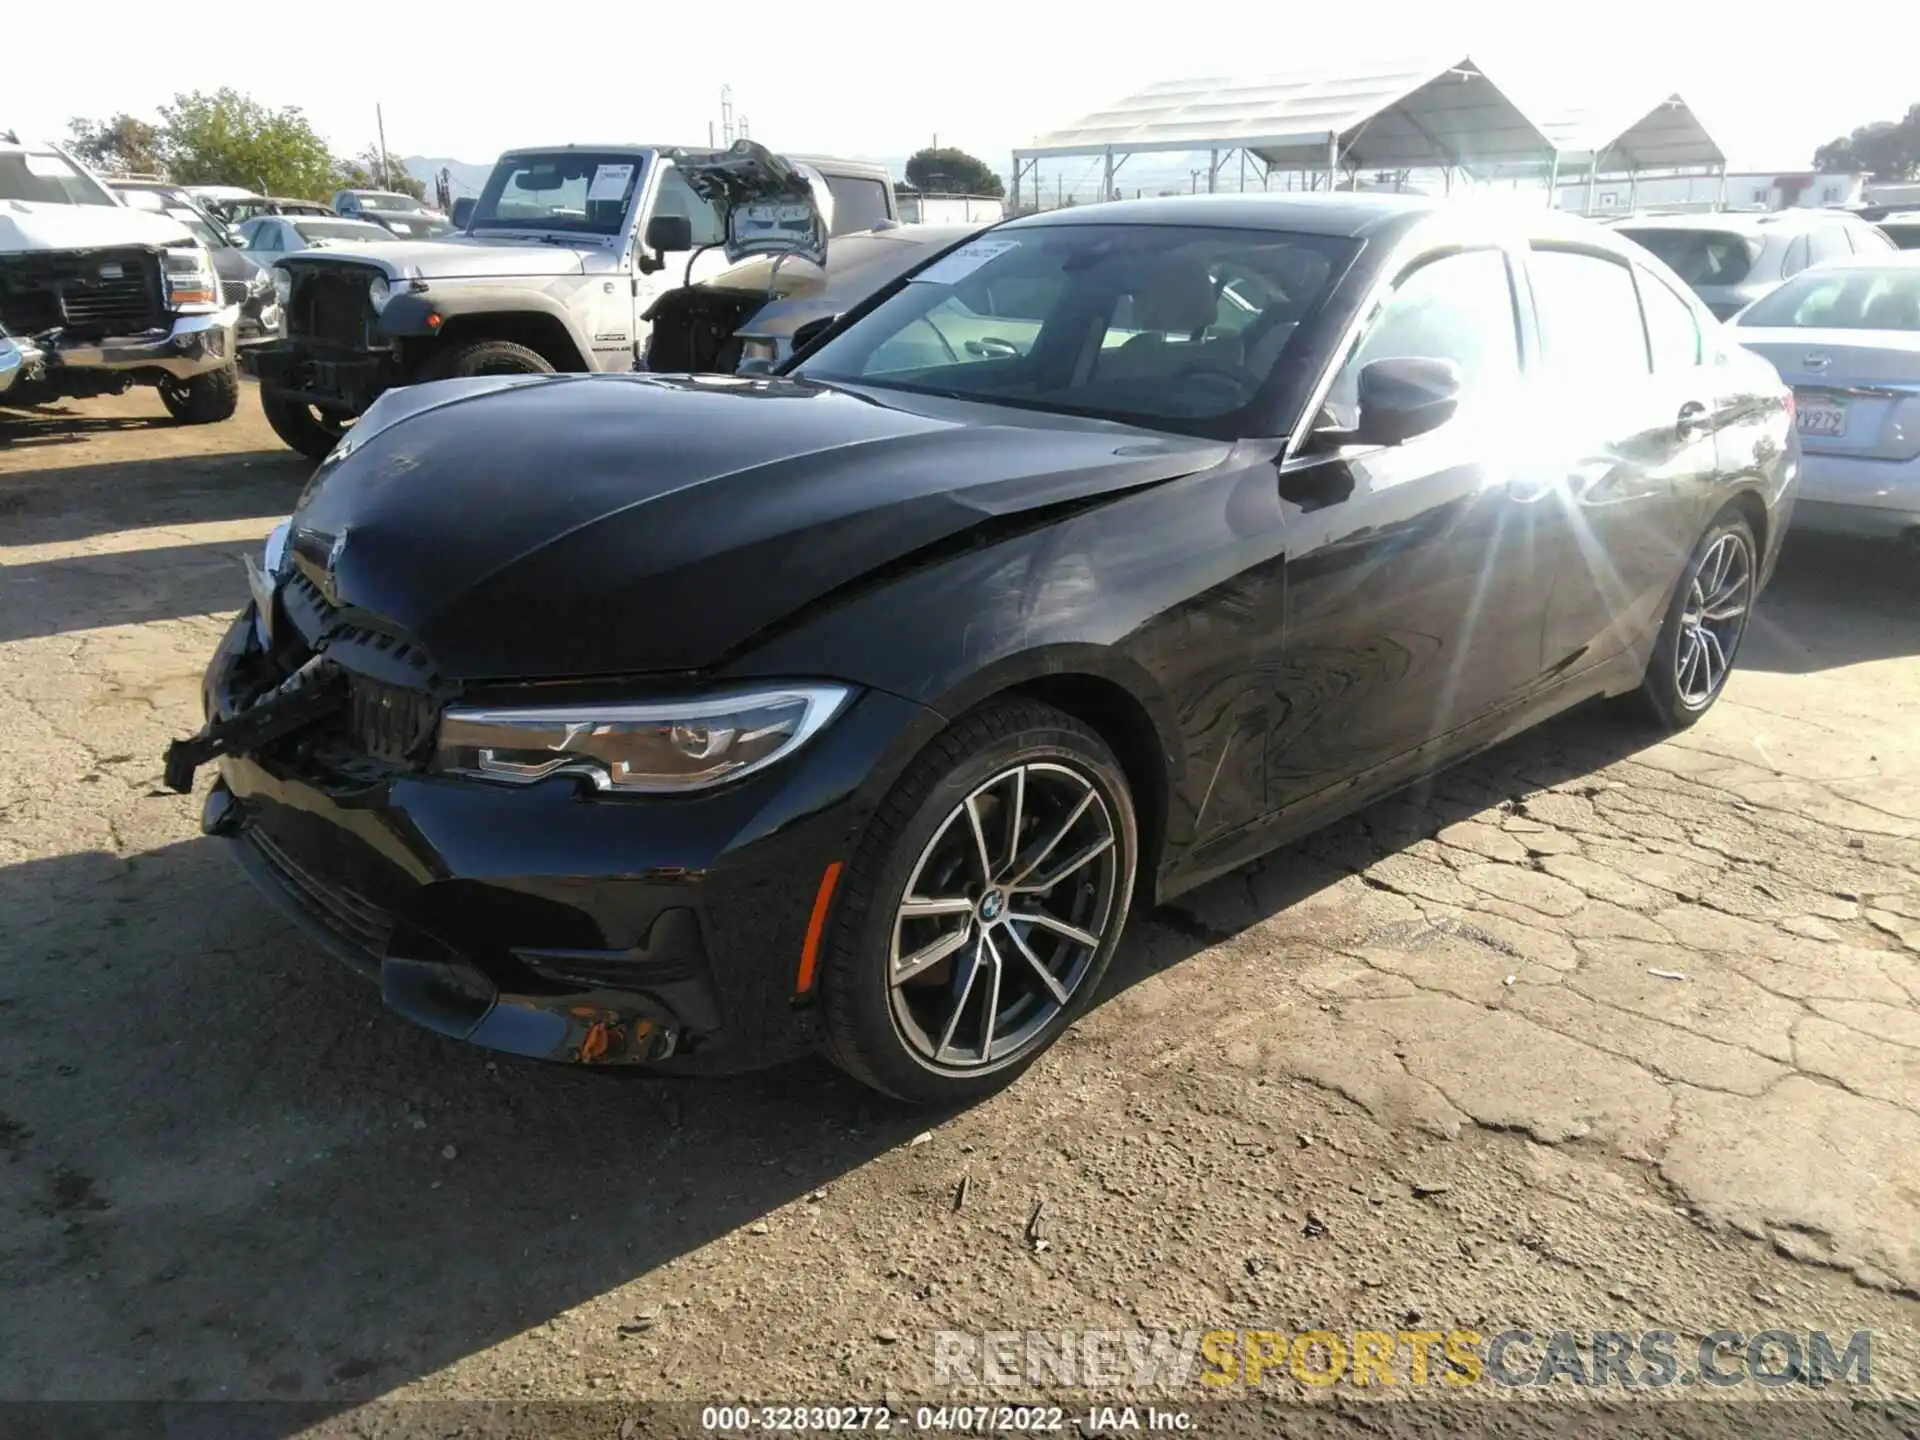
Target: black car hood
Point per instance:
(543, 526)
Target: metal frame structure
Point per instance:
(1666, 138)
(1396, 116)
(1391, 116)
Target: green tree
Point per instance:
(121, 145)
(1886, 149)
(948, 170)
(227, 138)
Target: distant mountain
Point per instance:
(465, 178)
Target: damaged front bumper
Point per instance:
(196, 345)
(20, 361)
(543, 920)
(340, 381)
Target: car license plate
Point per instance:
(1821, 417)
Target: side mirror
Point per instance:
(663, 233)
(812, 331)
(667, 233)
(1404, 397)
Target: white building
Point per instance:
(1741, 190)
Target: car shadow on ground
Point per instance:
(220, 1139)
(1834, 602)
(60, 504)
(132, 587)
(37, 425)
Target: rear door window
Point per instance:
(1589, 317)
(1827, 243)
(1673, 332)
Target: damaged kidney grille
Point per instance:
(388, 722)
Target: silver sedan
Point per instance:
(1846, 337)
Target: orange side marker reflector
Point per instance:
(810, 952)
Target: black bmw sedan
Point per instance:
(700, 721)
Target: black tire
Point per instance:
(1682, 682)
(204, 399)
(866, 1033)
(485, 357)
(306, 428)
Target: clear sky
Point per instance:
(467, 78)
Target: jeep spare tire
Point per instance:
(307, 428)
(485, 357)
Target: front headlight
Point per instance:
(282, 284)
(378, 294)
(664, 747)
(191, 285)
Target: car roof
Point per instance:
(1747, 222)
(1340, 214)
(1879, 260)
(876, 168)
(1352, 216)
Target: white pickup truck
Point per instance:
(96, 297)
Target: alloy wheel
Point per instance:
(1002, 916)
(1719, 595)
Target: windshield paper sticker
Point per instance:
(610, 182)
(952, 269)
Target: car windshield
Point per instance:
(311, 230)
(1853, 297)
(577, 192)
(1699, 257)
(1156, 325)
(383, 200)
(196, 222)
(46, 177)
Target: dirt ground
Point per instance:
(1595, 1033)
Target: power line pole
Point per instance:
(386, 171)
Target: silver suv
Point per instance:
(557, 268)
(1732, 258)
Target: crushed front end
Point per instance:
(333, 354)
(547, 920)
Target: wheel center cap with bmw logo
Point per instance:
(991, 904)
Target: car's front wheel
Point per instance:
(983, 906)
(1704, 625)
(485, 357)
(307, 428)
(203, 399)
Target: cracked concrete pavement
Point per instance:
(1649, 1010)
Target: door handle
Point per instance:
(1694, 420)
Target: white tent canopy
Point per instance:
(1386, 116)
(1664, 136)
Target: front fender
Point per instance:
(414, 315)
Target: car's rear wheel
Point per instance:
(485, 357)
(1704, 625)
(983, 906)
(203, 399)
(307, 428)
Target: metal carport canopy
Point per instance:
(1384, 116)
(1664, 136)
